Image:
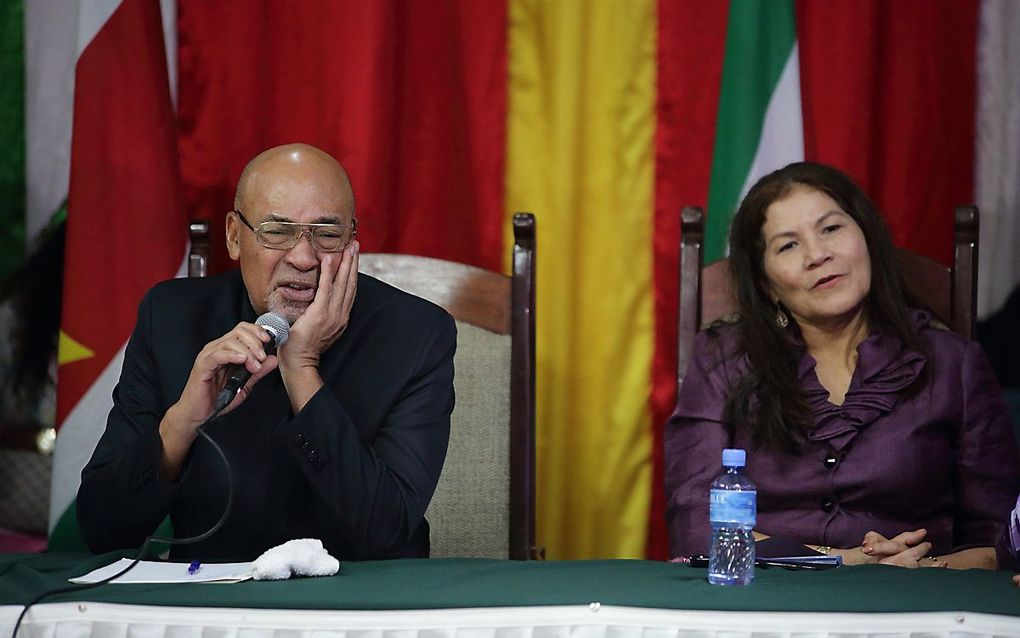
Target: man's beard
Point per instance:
(289, 310)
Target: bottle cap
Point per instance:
(734, 458)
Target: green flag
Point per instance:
(759, 128)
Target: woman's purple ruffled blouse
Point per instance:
(945, 459)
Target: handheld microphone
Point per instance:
(279, 331)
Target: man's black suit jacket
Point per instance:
(355, 468)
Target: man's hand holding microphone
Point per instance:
(224, 373)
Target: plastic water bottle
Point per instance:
(733, 508)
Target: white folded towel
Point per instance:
(301, 557)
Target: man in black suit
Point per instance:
(340, 436)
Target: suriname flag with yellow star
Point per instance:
(125, 222)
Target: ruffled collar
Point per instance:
(885, 367)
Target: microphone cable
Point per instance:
(152, 537)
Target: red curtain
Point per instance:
(889, 96)
(409, 96)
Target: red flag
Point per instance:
(125, 224)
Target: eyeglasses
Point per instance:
(329, 238)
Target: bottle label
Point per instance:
(731, 506)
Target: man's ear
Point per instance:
(233, 236)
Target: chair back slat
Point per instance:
(198, 251)
(965, 270)
(522, 392)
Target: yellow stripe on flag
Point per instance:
(69, 350)
(581, 121)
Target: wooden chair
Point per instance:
(484, 505)
(706, 295)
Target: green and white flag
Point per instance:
(759, 127)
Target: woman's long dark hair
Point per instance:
(769, 402)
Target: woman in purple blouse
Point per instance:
(872, 431)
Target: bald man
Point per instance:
(341, 435)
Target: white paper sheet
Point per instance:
(159, 572)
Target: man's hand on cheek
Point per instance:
(326, 317)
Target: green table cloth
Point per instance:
(457, 583)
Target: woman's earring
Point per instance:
(781, 319)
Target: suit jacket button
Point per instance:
(299, 439)
(313, 456)
(828, 505)
(831, 460)
(319, 464)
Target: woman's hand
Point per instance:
(907, 549)
(911, 557)
(874, 544)
(916, 556)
